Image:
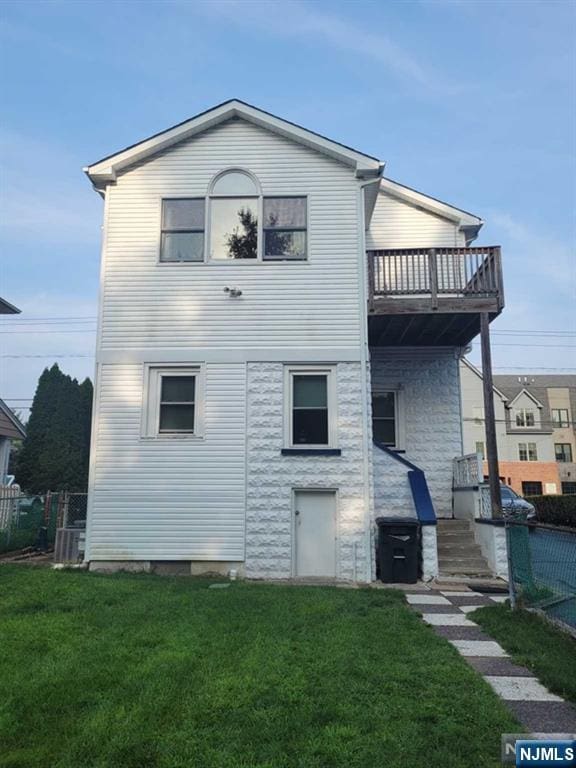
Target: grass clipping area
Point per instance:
(534, 642)
(140, 671)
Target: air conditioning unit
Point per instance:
(69, 546)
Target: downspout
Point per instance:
(364, 367)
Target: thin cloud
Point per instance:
(303, 21)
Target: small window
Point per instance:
(563, 452)
(311, 408)
(525, 418)
(182, 237)
(480, 449)
(173, 396)
(531, 488)
(569, 489)
(284, 228)
(560, 418)
(384, 418)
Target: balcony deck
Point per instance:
(432, 296)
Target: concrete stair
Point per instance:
(458, 552)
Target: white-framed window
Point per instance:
(527, 452)
(480, 448)
(310, 415)
(234, 222)
(182, 236)
(173, 401)
(525, 417)
(387, 418)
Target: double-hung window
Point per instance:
(310, 417)
(173, 397)
(182, 237)
(527, 452)
(284, 228)
(525, 418)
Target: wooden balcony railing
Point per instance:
(438, 275)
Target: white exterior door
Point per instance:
(315, 533)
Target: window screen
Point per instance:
(284, 228)
(177, 398)
(182, 237)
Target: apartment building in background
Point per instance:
(534, 428)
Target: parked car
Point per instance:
(513, 504)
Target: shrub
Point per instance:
(555, 510)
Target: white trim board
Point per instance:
(106, 170)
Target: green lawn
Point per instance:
(532, 641)
(138, 671)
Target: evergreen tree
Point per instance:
(86, 395)
(54, 455)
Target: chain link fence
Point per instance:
(543, 568)
(32, 520)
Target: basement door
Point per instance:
(315, 533)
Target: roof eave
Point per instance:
(106, 170)
(467, 222)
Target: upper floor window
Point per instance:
(527, 452)
(560, 417)
(182, 237)
(242, 224)
(284, 228)
(563, 452)
(234, 203)
(525, 417)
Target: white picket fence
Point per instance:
(8, 504)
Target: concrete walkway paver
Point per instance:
(539, 710)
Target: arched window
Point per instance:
(235, 203)
(242, 224)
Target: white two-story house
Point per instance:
(279, 337)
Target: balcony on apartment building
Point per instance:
(432, 296)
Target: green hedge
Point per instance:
(555, 510)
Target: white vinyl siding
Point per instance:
(165, 499)
(398, 224)
(151, 306)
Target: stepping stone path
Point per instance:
(447, 612)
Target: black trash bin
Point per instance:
(397, 552)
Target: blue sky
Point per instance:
(471, 102)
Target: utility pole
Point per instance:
(489, 417)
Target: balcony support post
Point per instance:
(489, 417)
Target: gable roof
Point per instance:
(105, 170)
(478, 373)
(10, 424)
(468, 222)
(8, 309)
(529, 395)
